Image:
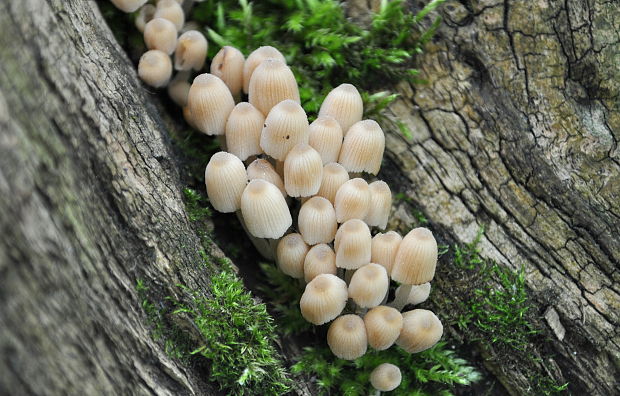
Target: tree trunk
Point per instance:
(517, 130)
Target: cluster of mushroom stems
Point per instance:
(276, 165)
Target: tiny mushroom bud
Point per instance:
(368, 285)
(421, 330)
(346, 337)
(155, 68)
(160, 34)
(317, 221)
(243, 130)
(191, 51)
(334, 176)
(285, 126)
(178, 89)
(383, 326)
(418, 293)
(303, 171)
(323, 299)
(320, 259)
(325, 135)
(271, 83)
(226, 179)
(386, 377)
(352, 200)
(262, 169)
(256, 58)
(380, 204)
(128, 5)
(384, 249)
(344, 103)
(264, 210)
(210, 103)
(290, 253)
(352, 244)
(228, 65)
(146, 13)
(362, 148)
(172, 11)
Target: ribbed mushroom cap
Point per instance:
(334, 176)
(386, 377)
(362, 148)
(285, 126)
(317, 221)
(271, 83)
(325, 135)
(256, 58)
(264, 210)
(418, 293)
(172, 11)
(210, 103)
(145, 14)
(416, 258)
(191, 51)
(352, 200)
(128, 5)
(344, 103)
(346, 337)
(155, 68)
(262, 169)
(352, 244)
(384, 249)
(290, 255)
(160, 34)
(323, 299)
(226, 179)
(421, 330)
(227, 64)
(380, 204)
(178, 89)
(243, 129)
(303, 171)
(320, 259)
(368, 285)
(383, 326)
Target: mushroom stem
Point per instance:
(340, 273)
(377, 393)
(402, 295)
(265, 246)
(221, 141)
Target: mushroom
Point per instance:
(262, 169)
(418, 293)
(191, 51)
(352, 245)
(368, 285)
(128, 5)
(291, 253)
(384, 248)
(227, 64)
(325, 136)
(285, 126)
(172, 11)
(352, 200)
(317, 221)
(346, 337)
(226, 179)
(380, 204)
(345, 104)
(320, 259)
(303, 171)
(323, 299)
(160, 34)
(145, 14)
(362, 147)
(210, 103)
(383, 326)
(271, 83)
(422, 329)
(243, 129)
(264, 210)
(334, 176)
(155, 68)
(385, 377)
(256, 58)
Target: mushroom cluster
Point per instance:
(305, 192)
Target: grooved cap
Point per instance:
(325, 135)
(422, 329)
(255, 59)
(383, 326)
(368, 285)
(416, 258)
(352, 200)
(227, 64)
(172, 11)
(210, 104)
(418, 293)
(384, 248)
(226, 179)
(264, 210)
(271, 83)
(155, 68)
(303, 171)
(386, 377)
(362, 148)
(344, 103)
(243, 129)
(286, 125)
(262, 169)
(380, 204)
(346, 337)
(320, 259)
(290, 255)
(323, 299)
(317, 221)
(334, 176)
(352, 244)
(191, 51)
(160, 34)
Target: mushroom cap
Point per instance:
(346, 337)
(380, 204)
(384, 248)
(271, 83)
(383, 326)
(172, 11)
(303, 171)
(160, 34)
(290, 255)
(323, 299)
(416, 258)
(191, 51)
(226, 179)
(210, 104)
(386, 377)
(325, 135)
(286, 125)
(155, 68)
(334, 176)
(317, 221)
(362, 147)
(352, 200)
(255, 59)
(243, 129)
(128, 5)
(352, 244)
(422, 329)
(262, 169)
(227, 64)
(345, 104)
(178, 89)
(264, 210)
(418, 293)
(320, 259)
(368, 285)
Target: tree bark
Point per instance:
(517, 130)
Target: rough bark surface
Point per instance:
(517, 131)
